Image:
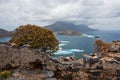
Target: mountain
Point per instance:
(63, 26)
(4, 33)
(84, 28)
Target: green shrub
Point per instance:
(6, 74)
(34, 36)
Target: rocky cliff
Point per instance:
(22, 57)
(31, 64)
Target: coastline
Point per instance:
(27, 64)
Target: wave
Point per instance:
(64, 41)
(90, 36)
(77, 50)
(67, 51)
(62, 44)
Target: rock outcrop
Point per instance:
(31, 64)
(115, 46)
(22, 57)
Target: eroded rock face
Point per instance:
(34, 65)
(115, 46)
(23, 57)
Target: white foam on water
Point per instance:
(67, 51)
(90, 36)
(77, 50)
(64, 41)
(62, 44)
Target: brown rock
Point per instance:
(24, 57)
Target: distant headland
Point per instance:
(4, 33)
(67, 28)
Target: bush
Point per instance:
(34, 36)
(6, 74)
(101, 46)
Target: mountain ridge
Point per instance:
(62, 26)
(4, 33)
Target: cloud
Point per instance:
(95, 13)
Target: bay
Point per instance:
(76, 45)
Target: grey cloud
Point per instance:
(92, 3)
(95, 13)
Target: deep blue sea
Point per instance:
(76, 45)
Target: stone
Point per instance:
(24, 57)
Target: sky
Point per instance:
(98, 14)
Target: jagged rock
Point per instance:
(48, 73)
(24, 57)
(117, 58)
(67, 59)
(31, 64)
(51, 79)
(115, 46)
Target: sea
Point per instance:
(77, 45)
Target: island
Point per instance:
(4, 33)
(69, 33)
(68, 28)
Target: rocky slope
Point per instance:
(31, 64)
(22, 57)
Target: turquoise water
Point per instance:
(76, 45)
(4, 39)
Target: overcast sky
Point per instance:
(98, 14)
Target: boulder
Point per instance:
(24, 57)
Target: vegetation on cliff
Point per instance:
(101, 46)
(34, 36)
(25, 64)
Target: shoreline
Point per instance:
(29, 64)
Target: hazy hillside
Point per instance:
(62, 26)
(4, 33)
(69, 32)
(83, 28)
